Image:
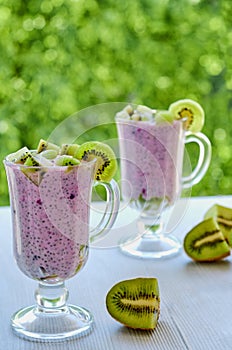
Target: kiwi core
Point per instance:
(187, 115)
(209, 238)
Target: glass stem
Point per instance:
(149, 228)
(51, 297)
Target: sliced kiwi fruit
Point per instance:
(69, 149)
(65, 160)
(106, 163)
(205, 242)
(45, 145)
(20, 156)
(191, 112)
(135, 303)
(33, 170)
(223, 216)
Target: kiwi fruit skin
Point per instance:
(191, 112)
(106, 163)
(205, 242)
(135, 303)
(223, 216)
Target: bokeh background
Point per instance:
(61, 56)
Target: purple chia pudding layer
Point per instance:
(50, 220)
(151, 159)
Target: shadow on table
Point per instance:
(162, 336)
(222, 265)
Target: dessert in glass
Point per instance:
(50, 195)
(152, 148)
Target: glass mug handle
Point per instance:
(203, 160)
(111, 210)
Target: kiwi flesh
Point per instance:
(135, 303)
(106, 164)
(65, 160)
(205, 242)
(223, 216)
(191, 112)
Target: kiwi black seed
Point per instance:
(135, 302)
(106, 164)
(205, 242)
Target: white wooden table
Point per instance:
(196, 299)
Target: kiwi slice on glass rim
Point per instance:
(135, 302)
(205, 242)
(191, 112)
(106, 163)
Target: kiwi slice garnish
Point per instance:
(135, 303)
(191, 112)
(223, 216)
(205, 242)
(106, 164)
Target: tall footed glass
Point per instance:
(50, 213)
(151, 157)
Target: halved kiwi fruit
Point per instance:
(106, 163)
(205, 242)
(191, 112)
(135, 303)
(223, 216)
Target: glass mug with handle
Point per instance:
(151, 157)
(51, 233)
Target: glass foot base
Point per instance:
(150, 247)
(32, 324)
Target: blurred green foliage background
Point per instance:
(60, 56)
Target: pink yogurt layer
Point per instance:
(151, 159)
(51, 220)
